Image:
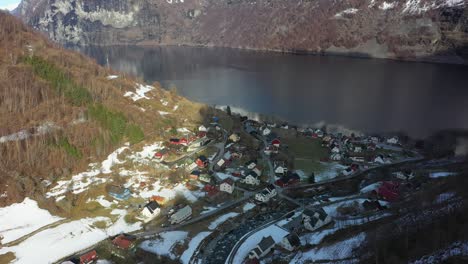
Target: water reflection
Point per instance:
(363, 94)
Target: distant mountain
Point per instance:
(434, 30)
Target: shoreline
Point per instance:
(429, 59)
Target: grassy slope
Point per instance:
(43, 83)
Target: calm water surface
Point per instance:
(363, 94)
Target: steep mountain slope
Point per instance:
(426, 29)
(60, 111)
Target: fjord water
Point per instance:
(370, 95)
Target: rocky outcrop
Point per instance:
(408, 29)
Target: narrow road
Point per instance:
(23, 238)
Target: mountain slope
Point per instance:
(60, 111)
(434, 30)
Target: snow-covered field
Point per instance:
(56, 243)
(20, 219)
(192, 247)
(163, 246)
(250, 243)
(340, 250)
(213, 225)
(157, 189)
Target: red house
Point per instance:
(276, 143)
(202, 162)
(210, 190)
(389, 191)
(123, 242)
(89, 257)
(161, 154)
(183, 141)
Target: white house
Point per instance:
(265, 195)
(227, 186)
(314, 219)
(192, 167)
(358, 149)
(221, 163)
(281, 170)
(358, 159)
(150, 211)
(335, 150)
(404, 175)
(251, 165)
(266, 131)
(263, 248)
(251, 179)
(381, 160)
(290, 242)
(202, 128)
(181, 215)
(335, 157)
(393, 140)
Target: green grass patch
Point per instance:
(59, 81)
(116, 123)
(307, 148)
(134, 133)
(308, 166)
(69, 148)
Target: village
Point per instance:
(249, 193)
(260, 174)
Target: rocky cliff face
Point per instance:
(408, 29)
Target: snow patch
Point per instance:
(67, 239)
(80, 182)
(248, 207)
(112, 77)
(192, 247)
(140, 92)
(346, 12)
(387, 6)
(163, 246)
(20, 219)
(340, 250)
(441, 174)
(213, 225)
(162, 113)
